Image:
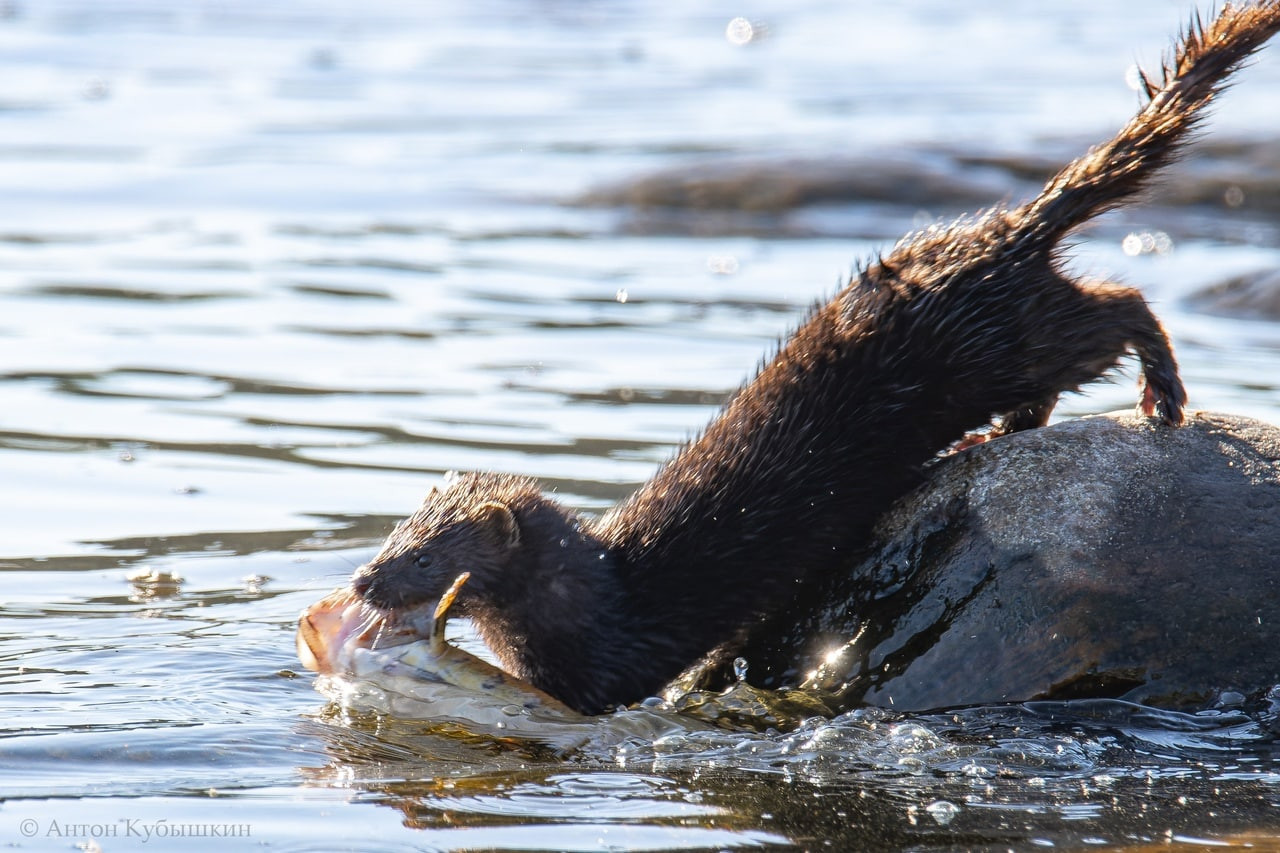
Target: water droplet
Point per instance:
(942, 811)
(740, 32)
(323, 59)
(1146, 243)
(740, 669)
(722, 264)
(96, 89)
(621, 295)
(1133, 77)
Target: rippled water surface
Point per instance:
(267, 270)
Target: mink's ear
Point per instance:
(499, 519)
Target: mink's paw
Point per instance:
(1163, 395)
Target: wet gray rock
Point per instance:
(765, 197)
(1109, 556)
(1254, 295)
(1235, 180)
(914, 178)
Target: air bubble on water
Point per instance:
(151, 584)
(1229, 699)
(907, 738)
(253, 584)
(740, 669)
(621, 295)
(1233, 196)
(942, 811)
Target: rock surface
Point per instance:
(1109, 556)
(1254, 296)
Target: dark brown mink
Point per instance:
(955, 325)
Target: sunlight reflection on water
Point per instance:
(269, 270)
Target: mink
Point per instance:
(955, 326)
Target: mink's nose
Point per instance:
(360, 582)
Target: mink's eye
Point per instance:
(424, 560)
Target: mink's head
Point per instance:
(493, 526)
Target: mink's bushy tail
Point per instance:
(1111, 173)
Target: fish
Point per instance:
(401, 663)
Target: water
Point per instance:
(268, 269)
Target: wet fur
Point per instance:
(954, 326)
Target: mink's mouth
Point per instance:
(399, 607)
(376, 591)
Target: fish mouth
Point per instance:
(342, 621)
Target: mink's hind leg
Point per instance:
(1162, 389)
(1030, 416)
(1127, 312)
